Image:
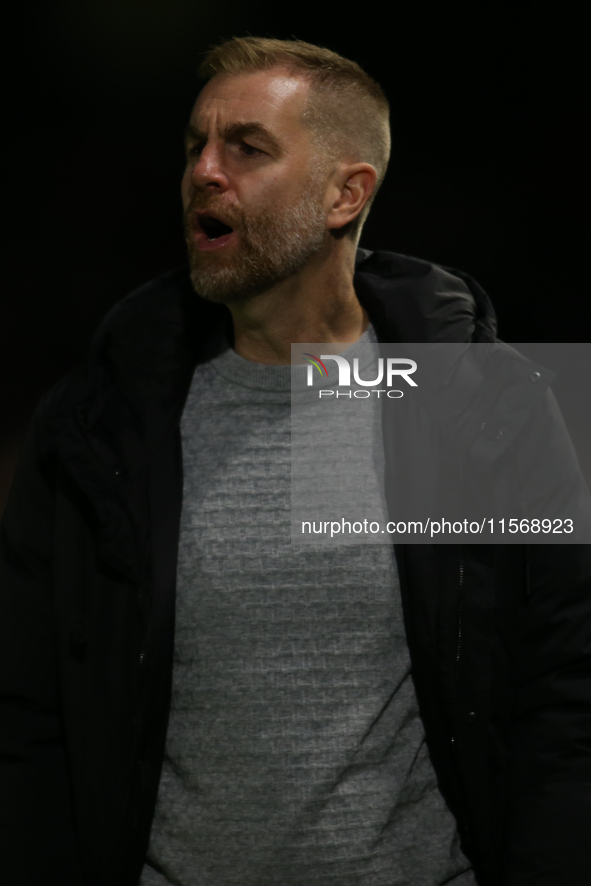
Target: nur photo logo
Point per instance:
(389, 372)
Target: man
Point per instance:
(291, 748)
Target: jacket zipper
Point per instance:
(460, 605)
(127, 798)
(125, 805)
(458, 651)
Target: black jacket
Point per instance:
(499, 635)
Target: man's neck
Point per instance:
(317, 305)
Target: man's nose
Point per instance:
(208, 170)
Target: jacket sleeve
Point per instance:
(550, 811)
(37, 837)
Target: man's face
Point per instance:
(254, 187)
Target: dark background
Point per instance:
(487, 171)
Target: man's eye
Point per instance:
(250, 150)
(194, 150)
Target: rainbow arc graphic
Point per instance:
(317, 362)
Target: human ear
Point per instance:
(356, 183)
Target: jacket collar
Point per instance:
(151, 341)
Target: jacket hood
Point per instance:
(410, 300)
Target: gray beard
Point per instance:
(272, 247)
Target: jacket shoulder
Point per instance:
(139, 306)
(169, 287)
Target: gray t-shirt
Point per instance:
(295, 752)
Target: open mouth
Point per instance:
(213, 228)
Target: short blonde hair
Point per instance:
(346, 109)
